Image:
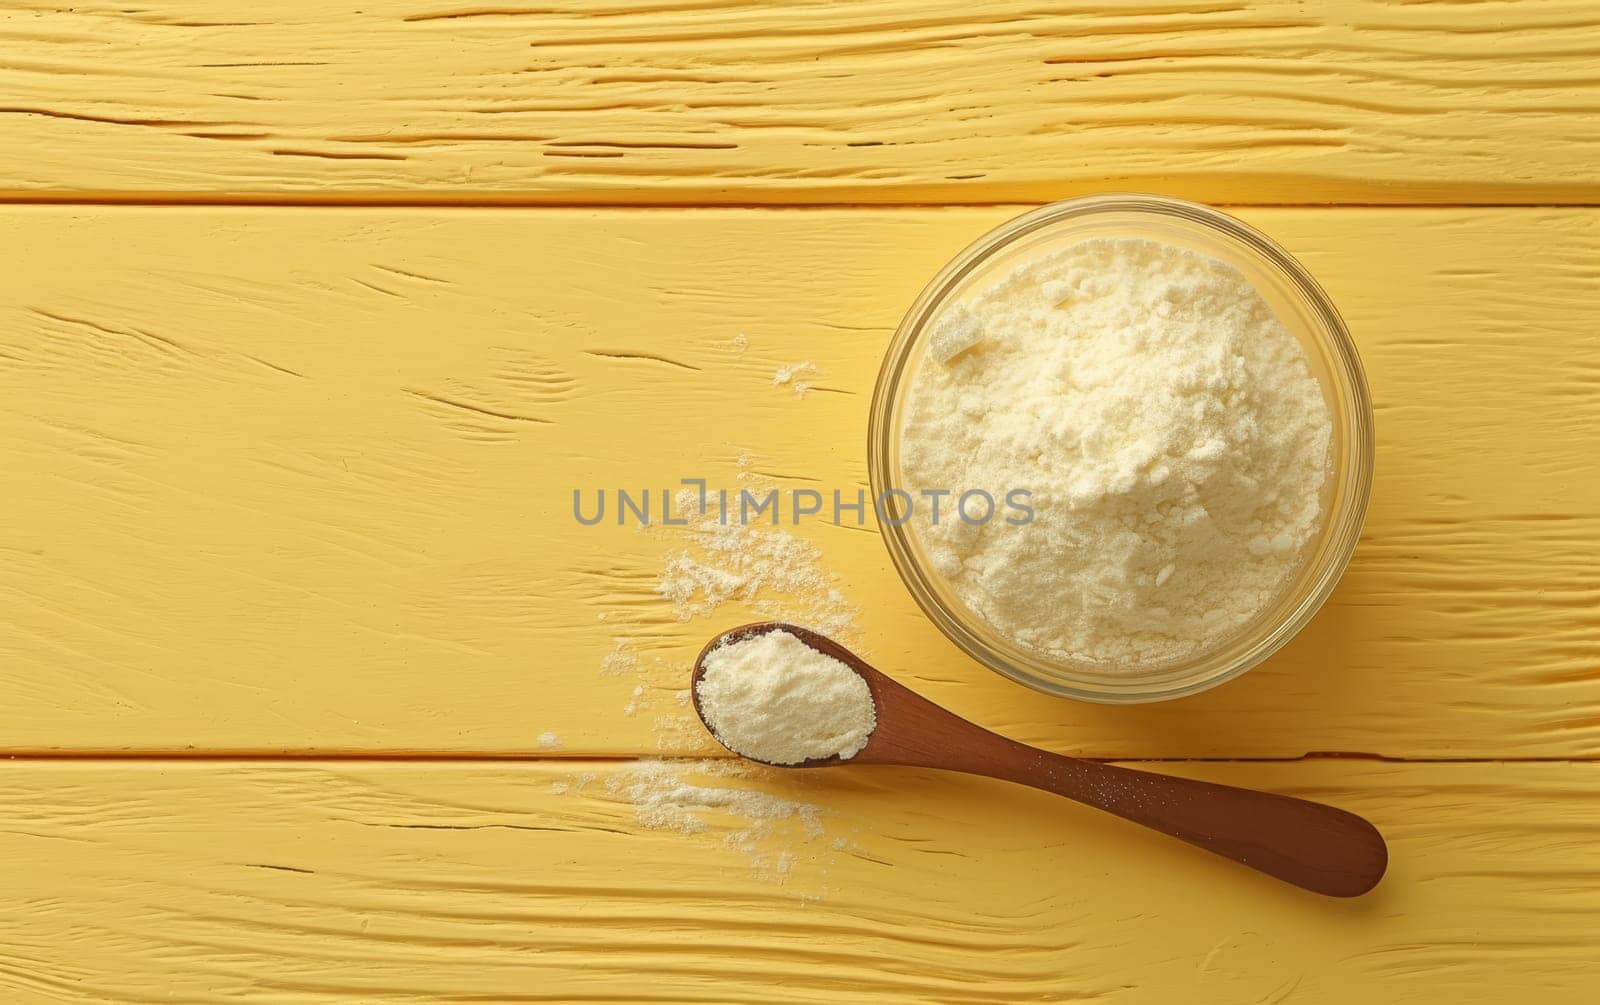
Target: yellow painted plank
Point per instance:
(372, 881)
(301, 479)
(883, 101)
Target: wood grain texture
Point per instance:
(364, 882)
(301, 479)
(722, 101)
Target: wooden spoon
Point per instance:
(1317, 847)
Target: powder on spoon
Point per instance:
(773, 698)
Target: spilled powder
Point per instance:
(770, 832)
(775, 573)
(657, 693)
(620, 660)
(767, 573)
(795, 375)
(664, 798)
(549, 741)
(774, 698)
(578, 783)
(639, 700)
(677, 729)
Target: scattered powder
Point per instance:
(681, 732)
(1168, 427)
(620, 660)
(774, 698)
(794, 375)
(767, 830)
(676, 728)
(773, 572)
(665, 799)
(549, 741)
(639, 700)
(579, 782)
(739, 343)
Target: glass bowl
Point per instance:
(1301, 306)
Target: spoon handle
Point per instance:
(1317, 847)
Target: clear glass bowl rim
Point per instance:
(1350, 503)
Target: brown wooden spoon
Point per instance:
(1317, 847)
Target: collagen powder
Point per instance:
(1169, 430)
(773, 698)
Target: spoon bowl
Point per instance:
(1311, 845)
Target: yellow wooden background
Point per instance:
(311, 319)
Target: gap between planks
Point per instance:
(668, 201)
(424, 757)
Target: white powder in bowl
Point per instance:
(773, 698)
(1168, 427)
